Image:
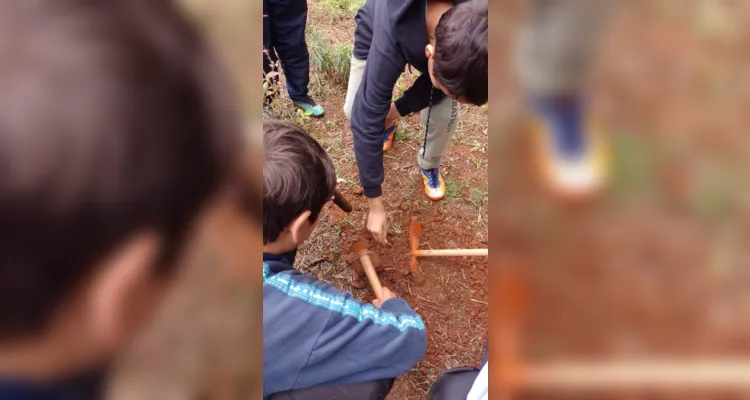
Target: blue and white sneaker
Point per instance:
(434, 185)
(572, 158)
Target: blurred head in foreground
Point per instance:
(114, 145)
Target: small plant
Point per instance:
(453, 189)
(332, 61)
(348, 221)
(273, 107)
(478, 198)
(271, 78)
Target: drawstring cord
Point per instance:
(427, 124)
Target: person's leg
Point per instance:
(288, 22)
(374, 390)
(555, 57)
(557, 45)
(440, 122)
(356, 71)
(453, 384)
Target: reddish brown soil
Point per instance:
(452, 300)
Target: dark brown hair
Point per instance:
(460, 63)
(115, 119)
(298, 175)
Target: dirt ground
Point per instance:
(657, 265)
(453, 299)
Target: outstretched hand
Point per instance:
(392, 116)
(377, 220)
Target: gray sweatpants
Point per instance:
(557, 44)
(443, 118)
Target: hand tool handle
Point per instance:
(624, 375)
(372, 276)
(452, 253)
(341, 201)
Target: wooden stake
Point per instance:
(372, 275)
(638, 375)
(452, 253)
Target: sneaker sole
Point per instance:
(427, 190)
(545, 167)
(311, 114)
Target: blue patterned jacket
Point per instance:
(317, 335)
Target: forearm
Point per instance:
(419, 96)
(369, 112)
(375, 204)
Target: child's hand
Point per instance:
(377, 220)
(392, 116)
(387, 295)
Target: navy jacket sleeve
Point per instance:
(417, 97)
(317, 335)
(374, 344)
(385, 64)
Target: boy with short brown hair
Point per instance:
(318, 341)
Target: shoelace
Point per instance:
(433, 177)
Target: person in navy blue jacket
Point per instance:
(444, 40)
(115, 141)
(320, 342)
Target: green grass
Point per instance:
(404, 133)
(348, 221)
(633, 167)
(453, 189)
(332, 61)
(338, 10)
(714, 194)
